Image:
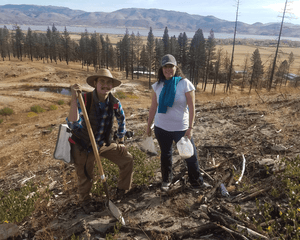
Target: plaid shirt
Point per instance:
(103, 121)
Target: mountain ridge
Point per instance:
(24, 14)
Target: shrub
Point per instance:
(6, 111)
(31, 114)
(60, 102)
(16, 205)
(287, 186)
(37, 109)
(143, 171)
(53, 107)
(1, 121)
(120, 95)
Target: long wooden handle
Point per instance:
(91, 135)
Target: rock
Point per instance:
(8, 230)
(45, 79)
(10, 130)
(101, 225)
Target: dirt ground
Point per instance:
(260, 127)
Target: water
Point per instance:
(63, 91)
(144, 32)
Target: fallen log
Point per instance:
(197, 230)
(233, 233)
(213, 190)
(252, 195)
(250, 232)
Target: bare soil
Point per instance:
(261, 126)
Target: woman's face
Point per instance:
(169, 71)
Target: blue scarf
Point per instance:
(167, 95)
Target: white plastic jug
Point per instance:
(185, 147)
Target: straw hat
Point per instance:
(103, 72)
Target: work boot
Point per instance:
(88, 206)
(165, 186)
(120, 194)
(201, 186)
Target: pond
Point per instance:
(63, 91)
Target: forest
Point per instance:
(199, 58)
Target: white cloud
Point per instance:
(293, 7)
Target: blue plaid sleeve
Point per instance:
(120, 115)
(77, 124)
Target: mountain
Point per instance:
(134, 18)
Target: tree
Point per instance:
(54, 49)
(282, 72)
(197, 57)
(19, 42)
(218, 64)
(4, 42)
(132, 53)
(182, 51)
(66, 43)
(150, 51)
(165, 40)
(174, 47)
(291, 60)
(159, 53)
(278, 43)
(124, 51)
(233, 45)
(210, 55)
(257, 69)
(138, 46)
(144, 58)
(245, 71)
(28, 46)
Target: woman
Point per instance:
(173, 111)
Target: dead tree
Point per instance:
(274, 63)
(233, 45)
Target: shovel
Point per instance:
(112, 207)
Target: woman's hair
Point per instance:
(161, 76)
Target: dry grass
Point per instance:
(266, 54)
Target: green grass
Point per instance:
(1, 121)
(53, 107)
(6, 111)
(143, 169)
(60, 102)
(37, 109)
(32, 114)
(18, 204)
(286, 194)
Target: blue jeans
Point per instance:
(165, 140)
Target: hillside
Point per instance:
(134, 18)
(263, 127)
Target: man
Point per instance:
(102, 110)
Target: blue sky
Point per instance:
(250, 11)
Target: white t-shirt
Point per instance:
(177, 117)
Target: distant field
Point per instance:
(240, 52)
(266, 54)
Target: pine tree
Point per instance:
(139, 46)
(19, 42)
(166, 41)
(66, 43)
(197, 57)
(257, 69)
(210, 55)
(150, 51)
(182, 51)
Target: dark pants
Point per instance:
(165, 140)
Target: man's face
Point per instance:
(104, 85)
